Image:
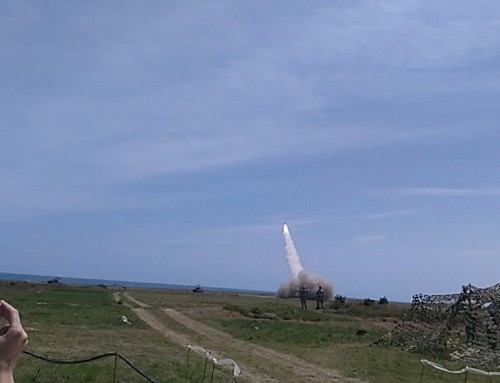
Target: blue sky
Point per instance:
(169, 141)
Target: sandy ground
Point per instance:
(257, 362)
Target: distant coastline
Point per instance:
(109, 282)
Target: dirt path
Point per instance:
(253, 359)
(151, 320)
(249, 374)
(133, 300)
(308, 372)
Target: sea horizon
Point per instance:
(40, 278)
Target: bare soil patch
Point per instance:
(259, 364)
(307, 372)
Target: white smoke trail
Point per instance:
(291, 253)
(299, 277)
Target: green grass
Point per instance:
(34, 371)
(187, 299)
(357, 309)
(270, 333)
(72, 322)
(61, 305)
(282, 311)
(290, 310)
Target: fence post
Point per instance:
(422, 373)
(187, 363)
(114, 370)
(213, 370)
(466, 373)
(205, 368)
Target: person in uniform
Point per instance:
(320, 298)
(303, 298)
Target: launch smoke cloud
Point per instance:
(299, 277)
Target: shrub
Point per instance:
(236, 308)
(340, 298)
(256, 310)
(383, 301)
(367, 302)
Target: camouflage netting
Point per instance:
(464, 326)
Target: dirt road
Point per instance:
(259, 364)
(250, 374)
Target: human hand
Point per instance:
(13, 339)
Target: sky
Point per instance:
(168, 141)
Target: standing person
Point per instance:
(303, 298)
(320, 298)
(13, 339)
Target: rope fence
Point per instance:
(466, 370)
(223, 363)
(92, 359)
(226, 362)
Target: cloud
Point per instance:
(475, 254)
(387, 214)
(369, 238)
(153, 91)
(447, 192)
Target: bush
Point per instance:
(236, 308)
(367, 302)
(339, 302)
(340, 298)
(256, 310)
(383, 301)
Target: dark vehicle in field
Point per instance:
(198, 289)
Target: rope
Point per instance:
(90, 359)
(464, 370)
(220, 362)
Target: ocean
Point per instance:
(109, 282)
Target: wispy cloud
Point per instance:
(369, 238)
(386, 214)
(446, 192)
(321, 219)
(177, 93)
(475, 254)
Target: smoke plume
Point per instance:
(299, 277)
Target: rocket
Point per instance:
(285, 229)
(299, 277)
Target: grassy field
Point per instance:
(77, 322)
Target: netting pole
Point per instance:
(466, 373)
(187, 364)
(204, 369)
(489, 373)
(114, 370)
(213, 370)
(422, 373)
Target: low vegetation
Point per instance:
(269, 333)
(68, 322)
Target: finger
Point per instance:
(17, 334)
(10, 313)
